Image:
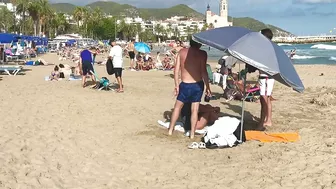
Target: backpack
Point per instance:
(109, 67)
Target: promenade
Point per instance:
(305, 39)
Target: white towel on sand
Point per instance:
(179, 127)
(221, 132)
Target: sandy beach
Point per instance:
(59, 135)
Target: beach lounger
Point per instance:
(11, 70)
(251, 95)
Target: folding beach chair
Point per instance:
(11, 70)
(234, 91)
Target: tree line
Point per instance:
(38, 18)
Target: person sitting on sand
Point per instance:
(150, 64)
(55, 74)
(166, 62)
(139, 62)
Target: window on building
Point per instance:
(223, 7)
(215, 21)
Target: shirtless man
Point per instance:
(192, 63)
(131, 53)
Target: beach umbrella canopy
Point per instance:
(254, 49)
(8, 37)
(142, 47)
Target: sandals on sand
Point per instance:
(196, 145)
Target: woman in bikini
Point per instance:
(55, 75)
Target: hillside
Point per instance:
(63, 7)
(113, 8)
(256, 25)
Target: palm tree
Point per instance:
(59, 23)
(7, 19)
(205, 27)
(188, 30)
(78, 15)
(157, 29)
(195, 29)
(34, 10)
(21, 8)
(176, 32)
(45, 13)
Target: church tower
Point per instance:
(208, 14)
(224, 9)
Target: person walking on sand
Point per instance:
(266, 83)
(131, 53)
(115, 55)
(192, 64)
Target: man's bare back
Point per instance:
(130, 47)
(192, 64)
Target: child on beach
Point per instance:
(55, 75)
(266, 84)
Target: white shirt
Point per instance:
(116, 53)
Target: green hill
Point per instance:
(178, 10)
(63, 7)
(113, 8)
(256, 25)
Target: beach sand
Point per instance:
(59, 135)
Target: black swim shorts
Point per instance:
(131, 55)
(87, 67)
(118, 72)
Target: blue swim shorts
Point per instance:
(190, 92)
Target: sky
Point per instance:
(301, 17)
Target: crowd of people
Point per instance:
(191, 79)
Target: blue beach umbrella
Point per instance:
(142, 47)
(254, 49)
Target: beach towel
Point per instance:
(271, 137)
(221, 132)
(208, 68)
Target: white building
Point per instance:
(220, 20)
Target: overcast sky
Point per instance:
(301, 17)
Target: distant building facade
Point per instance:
(220, 20)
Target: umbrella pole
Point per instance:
(243, 110)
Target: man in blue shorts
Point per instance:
(85, 65)
(192, 64)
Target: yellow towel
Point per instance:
(271, 137)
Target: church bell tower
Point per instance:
(224, 9)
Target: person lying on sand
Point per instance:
(207, 115)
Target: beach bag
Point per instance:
(109, 67)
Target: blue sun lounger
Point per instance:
(10, 70)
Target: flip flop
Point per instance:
(193, 145)
(201, 145)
